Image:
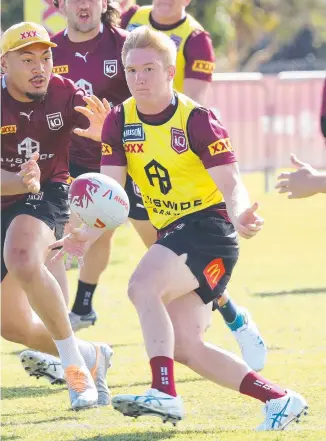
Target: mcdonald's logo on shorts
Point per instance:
(214, 271)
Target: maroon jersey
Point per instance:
(40, 126)
(96, 67)
(203, 130)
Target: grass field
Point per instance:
(281, 278)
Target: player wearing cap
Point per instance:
(89, 53)
(38, 115)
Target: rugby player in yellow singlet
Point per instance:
(195, 64)
(181, 158)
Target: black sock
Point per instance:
(229, 311)
(83, 300)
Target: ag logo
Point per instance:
(110, 68)
(55, 121)
(178, 141)
(156, 171)
(86, 86)
(28, 147)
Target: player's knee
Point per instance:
(136, 290)
(143, 290)
(21, 262)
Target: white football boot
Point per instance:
(251, 343)
(279, 413)
(153, 402)
(99, 370)
(82, 390)
(38, 364)
(82, 321)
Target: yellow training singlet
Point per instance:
(171, 177)
(179, 35)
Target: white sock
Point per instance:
(69, 352)
(88, 352)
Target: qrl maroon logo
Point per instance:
(178, 141)
(110, 68)
(82, 191)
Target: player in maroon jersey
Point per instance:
(90, 36)
(89, 53)
(37, 117)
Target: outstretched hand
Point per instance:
(299, 183)
(74, 244)
(96, 111)
(249, 222)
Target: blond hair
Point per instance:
(144, 37)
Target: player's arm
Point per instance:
(211, 142)
(242, 214)
(26, 181)
(200, 63)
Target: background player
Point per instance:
(191, 263)
(89, 53)
(195, 66)
(37, 112)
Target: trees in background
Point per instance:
(245, 33)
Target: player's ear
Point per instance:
(171, 72)
(4, 63)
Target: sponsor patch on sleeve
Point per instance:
(220, 146)
(5, 130)
(203, 66)
(106, 149)
(61, 69)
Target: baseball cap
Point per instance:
(23, 34)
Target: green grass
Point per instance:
(290, 255)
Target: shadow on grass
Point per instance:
(301, 291)
(145, 436)
(146, 383)
(11, 393)
(71, 418)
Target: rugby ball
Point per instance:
(99, 201)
